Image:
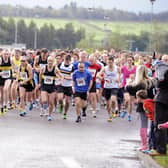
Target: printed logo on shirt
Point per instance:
(81, 82)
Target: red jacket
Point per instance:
(149, 106)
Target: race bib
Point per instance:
(81, 82)
(23, 75)
(48, 80)
(6, 74)
(93, 72)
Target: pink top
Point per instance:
(126, 73)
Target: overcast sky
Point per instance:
(129, 5)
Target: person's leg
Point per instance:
(6, 93)
(152, 141)
(93, 101)
(44, 101)
(51, 101)
(22, 93)
(1, 100)
(66, 107)
(130, 107)
(14, 93)
(161, 112)
(114, 105)
(60, 101)
(78, 106)
(29, 104)
(143, 131)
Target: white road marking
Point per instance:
(70, 162)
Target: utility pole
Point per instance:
(152, 29)
(35, 38)
(16, 32)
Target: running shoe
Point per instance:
(22, 114)
(31, 107)
(83, 114)
(94, 114)
(114, 114)
(49, 118)
(123, 114)
(129, 118)
(41, 114)
(9, 107)
(1, 112)
(109, 119)
(65, 116)
(5, 110)
(13, 106)
(78, 119)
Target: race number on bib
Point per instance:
(23, 75)
(48, 80)
(81, 82)
(6, 74)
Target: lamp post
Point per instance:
(35, 38)
(152, 12)
(16, 32)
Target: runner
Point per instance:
(65, 89)
(82, 82)
(14, 86)
(5, 79)
(47, 85)
(26, 85)
(112, 78)
(94, 68)
(128, 71)
(40, 61)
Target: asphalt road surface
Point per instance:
(33, 142)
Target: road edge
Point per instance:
(147, 161)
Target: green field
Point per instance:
(162, 160)
(97, 27)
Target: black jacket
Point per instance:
(162, 95)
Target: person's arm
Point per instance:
(90, 78)
(99, 74)
(57, 72)
(118, 75)
(0, 66)
(41, 75)
(35, 65)
(73, 82)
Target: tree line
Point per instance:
(46, 36)
(68, 38)
(72, 11)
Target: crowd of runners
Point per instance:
(52, 80)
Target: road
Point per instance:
(33, 142)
